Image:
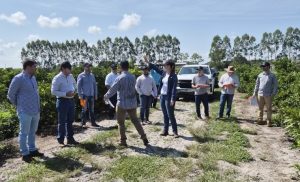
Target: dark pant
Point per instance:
(88, 109)
(168, 111)
(112, 110)
(154, 100)
(145, 104)
(66, 116)
(225, 98)
(204, 99)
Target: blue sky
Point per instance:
(193, 22)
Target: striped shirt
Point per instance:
(266, 84)
(124, 86)
(23, 93)
(86, 84)
(61, 84)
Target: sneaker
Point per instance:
(144, 123)
(61, 142)
(36, 153)
(176, 135)
(95, 125)
(270, 124)
(27, 158)
(164, 134)
(219, 117)
(148, 122)
(72, 142)
(145, 141)
(83, 124)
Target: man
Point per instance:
(109, 80)
(228, 82)
(156, 76)
(266, 88)
(146, 88)
(23, 93)
(201, 82)
(124, 86)
(63, 87)
(87, 91)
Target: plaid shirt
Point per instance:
(23, 93)
(124, 86)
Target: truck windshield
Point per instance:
(192, 70)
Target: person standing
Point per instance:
(266, 88)
(228, 82)
(200, 82)
(156, 78)
(64, 87)
(88, 92)
(167, 90)
(24, 94)
(124, 86)
(146, 88)
(109, 80)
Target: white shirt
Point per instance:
(145, 85)
(110, 78)
(164, 88)
(227, 79)
(61, 84)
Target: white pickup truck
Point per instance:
(186, 75)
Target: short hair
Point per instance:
(28, 62)
(124, 65)
(66, 65)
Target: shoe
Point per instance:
(199, 117)
(176, 135)
(219, 117)
(27, 158)
(72, 142)
(270, 124)
(148, 122)
(228, 116)
(95, 125)
(123, 144)
(164, 134)
(144, 123)
(36, 153)
(145, 141)
(260, 122)
(83, 124)
(61, 142)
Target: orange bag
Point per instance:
(82, 102)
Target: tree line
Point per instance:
(273, 45)
(49, 54)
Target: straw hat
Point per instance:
(230, 69)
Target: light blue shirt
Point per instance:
(23, 93)
(86, 84)
(229, 79)
(156, 76)
(124, 86)
(266, 84)
(61, 84)
(110, 79)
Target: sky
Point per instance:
(193, 22)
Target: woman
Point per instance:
(167, 90)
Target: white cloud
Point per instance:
(33, 37)
(17, 18)
(129, 21)
(94, 30)
(9, 45)
(44, 21)
(152, 33)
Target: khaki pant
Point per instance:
(121, 116)
(262, 102)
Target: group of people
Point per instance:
(154, 83)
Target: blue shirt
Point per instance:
(156, 76)
(266, 84)
(124, 86)
(86, 85)
(110, 79)
(23, 93)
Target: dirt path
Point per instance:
(274, 159)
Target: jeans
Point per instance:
(28, 127)
(66, 116)
(112, 110)
(223, 99)
(89, 106)
(168, 112)
(121, 116)
(204, 99)
(154, 99)
(145, 107)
